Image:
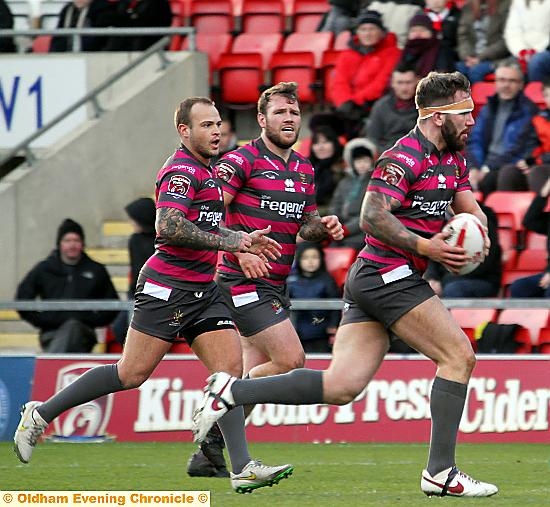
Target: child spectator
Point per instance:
(311, 280)
(348, 196)
(536, 219)
(480, 37)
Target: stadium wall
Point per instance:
(96, 170)
(508, 401)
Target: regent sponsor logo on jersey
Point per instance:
(213, 217)
(184, 167)
(432, 207)
(408, 160)
(178, 186)
(284, 208)
(392, 174)
(225, 171)
(237, 158)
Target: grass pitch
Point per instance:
(325, 475)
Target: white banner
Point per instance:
(33, 91)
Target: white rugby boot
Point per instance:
(453, 482)
(29, 430)
(257, 475)
(216, 402)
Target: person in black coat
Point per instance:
(141, 245)
(312, 281)
(68, 273)
(6, 22)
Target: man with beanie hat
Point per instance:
(68, 273)
(362, 72)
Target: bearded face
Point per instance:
(455, 140)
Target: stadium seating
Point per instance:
(481, 91)
(510, 208)
(265, 44)
(338, 261)
(298, 67)
(342, 39)
(262, 16)
(535, 241)
(212, 16)
(317, 43)
(307, 15)
(327, 69)
(41, 44)
(240, 79)
(214, 45)
(470, 318)
(544, 340)
(533, 90)
(532, 320)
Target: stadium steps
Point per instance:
(19, 336)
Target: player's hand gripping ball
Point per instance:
(467, 231)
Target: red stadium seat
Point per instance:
(532, 321)
(338, 261)
(544, 340)
(509, 257)
(535, 241)
(308, 14)
(510, 208)
(481, 91)
(178, 19)
(317, 43)
(262, 16)
(265, 44)
(41, 44)
(212, 16)
(240, 78)
(298, 67)
(342, 40)
(327, 69)
(180, 348)
(214, 45)
(533, 90)
(470, 318)
(532, 260)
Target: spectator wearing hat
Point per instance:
(394, 115)
(68, 273)
(141, 245)
(363, 71)
(424, 50)
(348, 196)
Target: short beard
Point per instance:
(450, 136)
(275, 138)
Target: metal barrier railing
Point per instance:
(92, 96)
(297, 304)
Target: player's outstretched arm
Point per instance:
(175, 229)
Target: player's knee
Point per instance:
(133, 379)
(344, 395)
(286, 364)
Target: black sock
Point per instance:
(91, 385)
(298, 387)
(446, 405)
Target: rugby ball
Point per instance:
(467, 231)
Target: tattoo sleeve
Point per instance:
(312, 228)
(175, 229)
(377, 219)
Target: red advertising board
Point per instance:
(508, 401)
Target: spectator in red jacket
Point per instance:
(363, 71)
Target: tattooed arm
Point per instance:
(378, 220)
(175, 229)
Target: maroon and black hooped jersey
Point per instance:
(266, 191)
(186, 184)
(424, 181)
